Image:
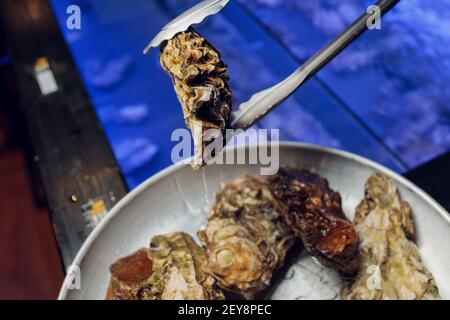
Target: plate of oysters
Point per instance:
(328, 225)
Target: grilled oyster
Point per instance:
(391, 267)
(314, 212)
(246, 238)
(201, 83)
(171, 269)
(129, 275)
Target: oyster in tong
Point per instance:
(171, 269)
(313, 210)
(391, 267)
(246, 238)
(200, 80)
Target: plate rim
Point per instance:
(282, 144)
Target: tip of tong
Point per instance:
(194, 15)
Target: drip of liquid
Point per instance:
(222, 179)
(205, 187)
(187, 204)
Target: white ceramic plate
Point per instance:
(176, 199)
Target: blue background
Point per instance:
(385, 97)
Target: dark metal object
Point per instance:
(70, 148)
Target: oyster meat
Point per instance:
(129, 275)
(391, 266)
(200, 80)
(171, 269)
(245, 238)
(313, 211)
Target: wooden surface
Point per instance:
(71, 151)
(30, 265)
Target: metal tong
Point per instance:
(265, 101)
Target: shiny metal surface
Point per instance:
(177, 199)
(194, 15)
(265, 101)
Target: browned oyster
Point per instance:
(171, 269)
(313, 211)
(391, 267)
(246, 238)
(129, 275)
(201, 83)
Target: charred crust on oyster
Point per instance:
(314, 212)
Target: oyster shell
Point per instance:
(200, 80)
(313, 211)
(129, 275)
(171, 269)
(391, 267)
(246, 238)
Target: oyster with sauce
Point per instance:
(171, 269)
(246, 239)
(391, 266)
(200, 80)
(129, 275)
